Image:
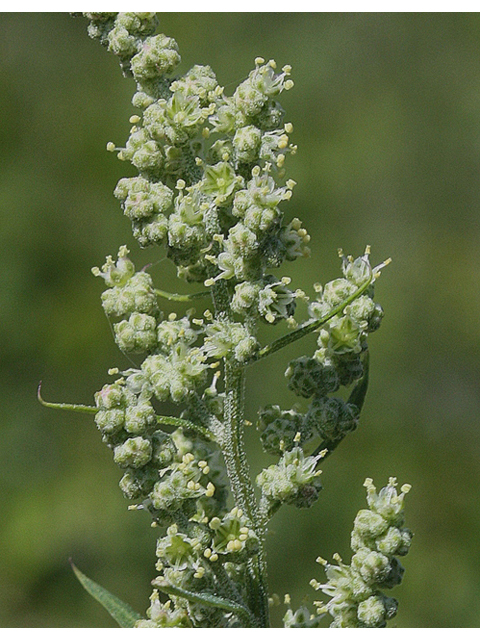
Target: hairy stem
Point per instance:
(242, 487)
(181, 297)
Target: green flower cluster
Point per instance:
(378, 536)
(223, 155)
(294, 480)
(179, 478)
(209, 193)
(342, 341)
(339, 361)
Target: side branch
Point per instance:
(167, 420)
(180, 297)
(311, 325)
(186, 424)
(357, 397)
(206, 599)
(79, 408)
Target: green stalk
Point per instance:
(242, 488)
(233, 449)
(181, 297)
(311, 325)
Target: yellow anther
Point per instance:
(300, 293)
(207, 553)
(272, 64)
(111, 146)
(134, 119)
(206, 470)
(289, 84)
(213, 557)
(259, 60)
(405, 488)
(210, 490)
(288, 127)
(321, 561)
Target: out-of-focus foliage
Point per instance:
(386, 109)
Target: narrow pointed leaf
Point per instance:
(203, 598)
(79, 408)
(119, 610)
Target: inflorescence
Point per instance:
(210, 187)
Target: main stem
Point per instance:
(242, 487)
(233, 449)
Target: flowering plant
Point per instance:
(210, 186)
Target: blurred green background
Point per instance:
(386, 109)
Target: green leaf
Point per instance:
(80, 408)
(119, 610)
(203, 598)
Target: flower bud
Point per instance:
(139, 418)
(138, 334)
(134, 452)
(278, 429)
(307, 377)
(158, 56)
